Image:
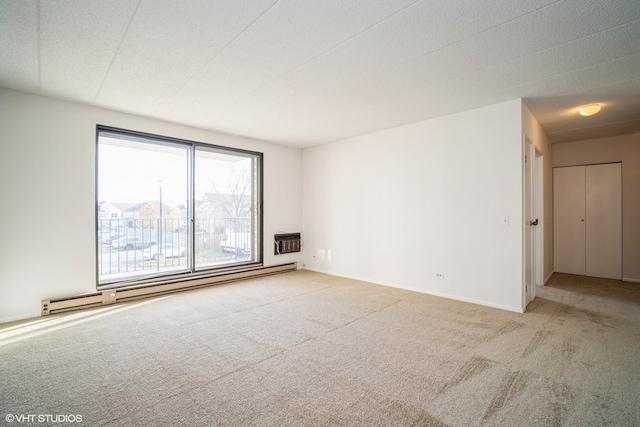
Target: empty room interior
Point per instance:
(278, 212)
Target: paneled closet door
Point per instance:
(569, 242)
(604, 221)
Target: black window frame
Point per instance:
(193, 272)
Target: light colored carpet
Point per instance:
(307, 349)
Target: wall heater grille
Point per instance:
(112, 296)
(286, 243)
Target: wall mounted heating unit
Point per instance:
(286, 243)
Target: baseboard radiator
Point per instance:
(133, 292)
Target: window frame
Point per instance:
(194, 271)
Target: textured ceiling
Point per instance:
(305, 72)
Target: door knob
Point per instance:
(534, 223)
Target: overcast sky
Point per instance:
(130, 175)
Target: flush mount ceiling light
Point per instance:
(589, 110)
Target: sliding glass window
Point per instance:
(167, 206)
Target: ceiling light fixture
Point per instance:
(590, 110)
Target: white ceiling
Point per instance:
(305, 72)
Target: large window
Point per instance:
(167, 206)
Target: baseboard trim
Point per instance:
(122, 294)
(422, 291)
(624, 279)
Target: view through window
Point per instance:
(169, 206)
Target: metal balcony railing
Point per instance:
(128, 248)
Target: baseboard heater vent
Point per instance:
(286, 243)
(112, 296)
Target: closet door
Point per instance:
(604, 221)
(569, 220)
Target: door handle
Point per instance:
(534, 223)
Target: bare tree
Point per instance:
(236, 204)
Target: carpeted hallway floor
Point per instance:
(308, 349)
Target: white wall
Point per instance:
(399, 206)
(47, 188)
(536, 135)
(625, 149)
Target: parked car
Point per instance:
(129, 243)
(168, 250)
(238, 243)
(108, 239)
(183, 229)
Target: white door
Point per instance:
(588, 220)
(529, 249)
(604, 221)
(532, 221)
(538, 209)
(569, 220)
